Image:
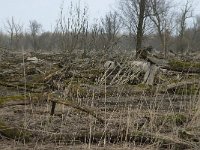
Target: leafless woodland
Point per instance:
(128, 81)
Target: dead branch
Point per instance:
(75, 106)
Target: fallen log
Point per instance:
(13, 100)
(157, 61)
(175, 86)
(116, 136)
(75, 106)
(184, 70)
(179, 66)
(28, 88)
(14, 132)
(139, 137)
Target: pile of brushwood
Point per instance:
(100, 99)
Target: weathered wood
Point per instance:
(75, 106)
(157, 61)
(146, 75)
(179, 66)
(152, 74)
(175, 86)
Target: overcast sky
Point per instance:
(47, 11)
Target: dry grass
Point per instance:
(136, 117)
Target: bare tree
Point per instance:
(186, 12)
(192, 34)
(134, 15)
(161, 15)
(72, 26)
(196, 33)
(35, 29)
(10, 30)
(110, 28)
(94, 37)
(15, 33)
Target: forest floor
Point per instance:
(94, 108)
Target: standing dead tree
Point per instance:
(35, 28)
(15, 33)
(10, 30)
(186, 13)
(94, 42)
(110, 29)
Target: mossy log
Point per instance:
(13, 100)
(14, 132)
(19, 86)
(183, 66)
(174, 65)
(174, 87)
(96, 137)
(117, 136)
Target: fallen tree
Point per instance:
(6, 101)
(180, 86)
(56, 100)
(139, 137)
(25, 87)
(14, 132)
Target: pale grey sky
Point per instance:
(47, 11)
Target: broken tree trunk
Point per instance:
(75, 106)
(174, 86)
(150, 75)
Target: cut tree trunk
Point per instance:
(150, 75)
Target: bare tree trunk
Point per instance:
(140, 28)
(186, 13)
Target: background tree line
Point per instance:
(133, 25)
